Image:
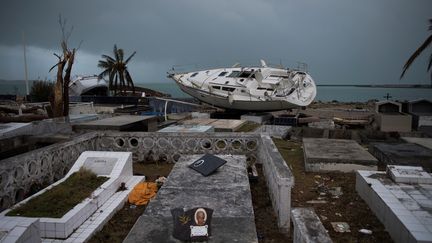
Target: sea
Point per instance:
(324, 93)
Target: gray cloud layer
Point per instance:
(343, 41)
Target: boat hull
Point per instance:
(223, 102)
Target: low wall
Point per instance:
(170, 146)
(20, 174)
(279, 179)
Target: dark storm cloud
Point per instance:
(343, 41)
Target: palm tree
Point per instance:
(423, 47)
(116, 70)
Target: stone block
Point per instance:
(425, 142)
(407, 154)
(274, 130)
(308, 227)
(322, 155)
(402, 215)
(260, 118)
(188, 128)
(121, 123)
(409, 174)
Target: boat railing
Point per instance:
(186, 68)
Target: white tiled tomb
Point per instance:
(404, 207)
(117, 166)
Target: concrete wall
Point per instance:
(308, 227)
(394, 123)
(19, 174)
(280, 180)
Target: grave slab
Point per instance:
(407, 154)
(308, 227)
(188, 128)
(227, 192)
(274, 130)
(260, 118)
(321, 154)
(9, 129)
(404, 209)
(227, 125)
(425, 142)
(409, 174)
(220, 125)
(121, 123)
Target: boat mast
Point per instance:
(25, 66)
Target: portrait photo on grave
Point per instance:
(193, 224)
(200, 217)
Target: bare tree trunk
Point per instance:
(57, 107)
(70, 61)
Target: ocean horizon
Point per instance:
(324, 93)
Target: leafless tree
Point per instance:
(64, 65)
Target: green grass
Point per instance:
(248, 127)
(57, 201)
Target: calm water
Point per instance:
(324, 93)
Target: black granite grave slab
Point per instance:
(403, 154)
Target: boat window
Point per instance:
(222, 74)
(278, 76)
(194, 74)
(234, 74)
(228, 89)
(242, 79)
(261, 88)
(245, 74)
(216, 87)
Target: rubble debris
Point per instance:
(365, 231)
(340, 227)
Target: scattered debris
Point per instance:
(366, 231)
(336, 192)
(338, 214)
(122, 187)
(316, 201)
(340, 227)
(252, 173)
(324, 218)
(160, 181)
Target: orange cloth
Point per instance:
(142, 193)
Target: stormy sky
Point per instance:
(342, 41)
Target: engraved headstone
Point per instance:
(192, 225)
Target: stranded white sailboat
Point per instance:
(88, 85)
(249, 88)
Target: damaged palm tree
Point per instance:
(417, 52)
(60, 106)
(116, 69)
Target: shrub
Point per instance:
(41, 91)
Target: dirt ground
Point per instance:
(348, 207)
(265, 218)
(122, 222)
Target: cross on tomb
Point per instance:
(388, 96)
